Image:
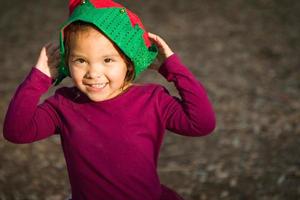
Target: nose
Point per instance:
(94, 72)
(92, 75)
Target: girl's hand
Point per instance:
(48, 60)
(164, 50)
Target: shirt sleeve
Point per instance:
(25, 120)
(192, 114)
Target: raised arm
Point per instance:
(192, 114)
(25, 120)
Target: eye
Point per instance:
(108, 60)
(79, 61)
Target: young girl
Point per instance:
(111, 129)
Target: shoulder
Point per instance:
(150, 92)
(150, 88)
(65, 92)
(62, 95)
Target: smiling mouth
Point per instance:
(98, 85)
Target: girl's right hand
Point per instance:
(164, 51)
(48, 60)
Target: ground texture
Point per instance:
(245, 52)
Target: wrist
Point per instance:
(168, 54)
(40, 79)
(43, 70)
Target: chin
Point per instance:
(97, 98)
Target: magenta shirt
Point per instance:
(112, 147)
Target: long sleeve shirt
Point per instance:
(111, 147)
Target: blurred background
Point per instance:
(245, 52)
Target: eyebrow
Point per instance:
(105, 55)
(112, 55)
(76, 55)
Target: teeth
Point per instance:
(99, 85)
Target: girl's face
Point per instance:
(96, 67)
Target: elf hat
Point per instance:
(119, 24)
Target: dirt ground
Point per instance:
(245, 52)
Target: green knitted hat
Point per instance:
(119, 24)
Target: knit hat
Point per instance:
(119, 24)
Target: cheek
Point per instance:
(77, 74)
(119, 72)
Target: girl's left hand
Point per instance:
(49, 59)
(164, 51)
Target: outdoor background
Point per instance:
(245, 52)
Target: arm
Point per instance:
(191, 115)
(25, 120)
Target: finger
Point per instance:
(161, 44)
(57, 52)
(47, 45)
(52, 47)
(152, 35)
(54, 63)
(57, 58)
(154, 38)
(157, 39)
(55, 45)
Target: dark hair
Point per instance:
(84, 26)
